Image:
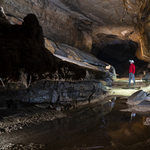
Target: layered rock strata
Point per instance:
(79, 22)
(25, 58)
(62, 93)
(40, 121)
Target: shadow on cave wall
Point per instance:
(118, 55)
(24, 58)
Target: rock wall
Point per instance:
(90, 25)
(79, 22)
(82, 58)
(52, 18)
(54, 92)
(25, 58)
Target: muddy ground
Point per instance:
(33, 127)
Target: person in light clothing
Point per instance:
(131, 72)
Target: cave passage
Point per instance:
(118, 55)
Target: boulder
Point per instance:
(140, 102)
(24, 56)
(137, 97)
(146, 77)
(143, 106)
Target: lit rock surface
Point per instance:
(79, 22)
(72, 53)
(76, 56)
(146, 77)
(138, 102)
(62, 78)
(63, 93)
(137, 97)
(143, 106)
(31, 61)
(107, 29)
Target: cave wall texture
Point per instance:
(24, 56)
(79, 22)
(94, 26)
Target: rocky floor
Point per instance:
(120, 87)
(31, 146)
(25, 128)
(14, 119)
(53, 126)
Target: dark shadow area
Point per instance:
(118, 55)
(91, 126)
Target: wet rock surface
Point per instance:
(87, 127)
(146, 77)
(32, 146)
(64, 94)
(138, 102)
(127, 129)
(52, 121)
(18, 119)
(137, 97)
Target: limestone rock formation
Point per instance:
(24, 56)
(137, 97)
(93, 26)
(146, 77)
(138, 102)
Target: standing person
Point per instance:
(131, 72)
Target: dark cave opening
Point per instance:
(118, 55)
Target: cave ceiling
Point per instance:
(87, 23)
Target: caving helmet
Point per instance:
(131, 61)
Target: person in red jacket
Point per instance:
(131, 72)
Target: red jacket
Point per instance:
(132, 68)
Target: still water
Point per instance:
(102, 127)
(98, 126)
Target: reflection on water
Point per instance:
(93, 126)
(112, 129)
(84, 128)
(128, 128)
(133, 114)
(146, 121)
